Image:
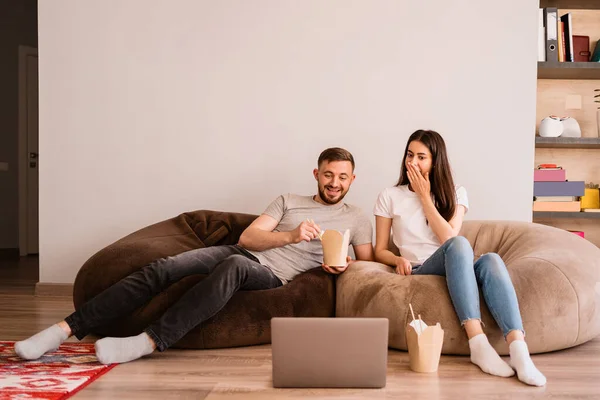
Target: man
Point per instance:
(280, 244)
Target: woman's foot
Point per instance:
(485, 357)
(39, 344)
(120, 350)
(521, 361)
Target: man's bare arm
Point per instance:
(259, 236)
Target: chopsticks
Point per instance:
(320, 232)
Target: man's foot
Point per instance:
(485, 357)
(521, 361)
(39, 344)
(120, 350)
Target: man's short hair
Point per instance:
(336, 154)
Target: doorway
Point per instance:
(28, 152)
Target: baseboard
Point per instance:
(54, 289)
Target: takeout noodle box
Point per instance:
(425, 348)
(335, 247)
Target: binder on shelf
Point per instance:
(551, 24)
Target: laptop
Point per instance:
(329, 352)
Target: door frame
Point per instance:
(24, 52)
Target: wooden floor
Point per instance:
(245, 373)
(18, 274)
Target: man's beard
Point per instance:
(325, 199)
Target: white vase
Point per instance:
(571, 127)
(551, 127)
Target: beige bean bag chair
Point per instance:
(556, 275)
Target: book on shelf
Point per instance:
(581, 48)
(561, 41)
(567, 188)
(557, 41)
(557, 206)
(549, 175)
(552, 192)
(596, 54)
(591, 210)
(567, 23)
(555, 198)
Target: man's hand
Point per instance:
(306, 231)
(338, 270)
(403, 266)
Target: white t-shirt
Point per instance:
(410, 232)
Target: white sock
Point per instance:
(521, 361)
(485, 357)
(120, 350)
(42, 342)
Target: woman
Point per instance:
(424, 212)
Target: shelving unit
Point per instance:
(557, 80)
(552, 214)
(567, 143)
(571, 4)
(569, 70)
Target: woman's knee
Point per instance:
(492, 259)
(458, 255)
(492, 263)
(459, 245)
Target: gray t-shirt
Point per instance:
(290, 210)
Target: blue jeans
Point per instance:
(229, 269)
(454, 260)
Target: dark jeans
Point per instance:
(229, 269)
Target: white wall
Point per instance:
(150, 108)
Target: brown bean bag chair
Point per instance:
(555, 274)
(245, 320)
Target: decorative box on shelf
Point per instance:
(591, 197)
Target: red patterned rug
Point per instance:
(57, 375)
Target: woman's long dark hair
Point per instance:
(440, 176)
